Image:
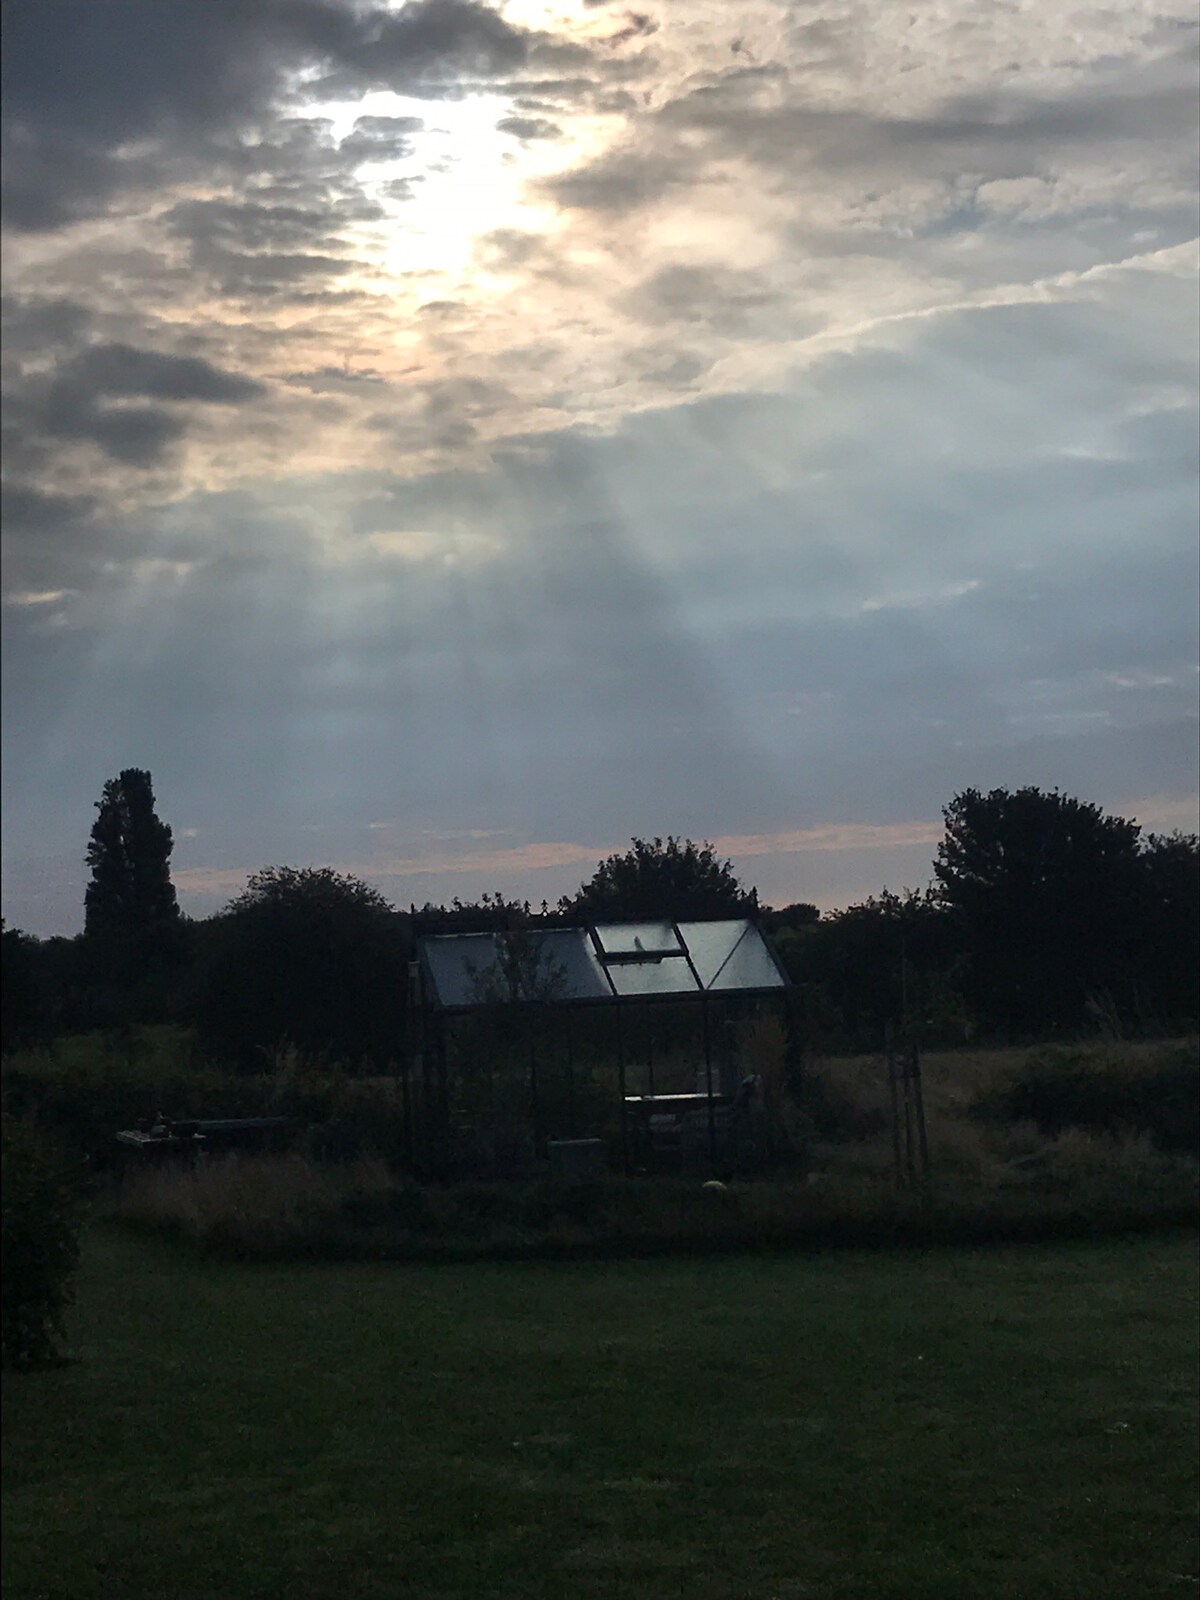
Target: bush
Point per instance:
(89, 1086)
(308, 957)
(1156, 1094)
(40, 1244)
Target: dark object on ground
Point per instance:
(164, 1138)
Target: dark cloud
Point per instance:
(252, 248)
(725, 299)
(381, 139)
(118, 370)
(622, 180)
(637, 25)
(529, 128)
(84, 83)
(506, 249)
(86, 398)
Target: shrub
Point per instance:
(1108, 1092)
(40, 1245)
(89, 1086)
(309, 956)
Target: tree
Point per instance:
(305, 957)
(1169, 921)
(677, 879)
(130, 903)
(490, 913)
(888, 959)
(22, 1003)
(1044, 888)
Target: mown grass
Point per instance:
(988, 1423)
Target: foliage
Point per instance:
(522, 970)
(307, 957)
(790, 918)
(1168, 922)
(890, 959)
(130, 904)
(91, 1086)
(40, 1246)
(22, 1001)
(490, 913)
(1060, 1089)
(676, 879)
(1044, 892)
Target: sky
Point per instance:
(444, 441)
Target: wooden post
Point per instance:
(919, 1097)
(406, 1103)
(890, 1057)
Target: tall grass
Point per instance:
(293, 1207)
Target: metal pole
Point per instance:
(534, 1101)
(570, 1043)
(422, 1086)
(443, 1089)
(708, 1080)
(621, 1087)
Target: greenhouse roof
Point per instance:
(605, 962)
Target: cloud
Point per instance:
(85, 399)
(755, 429)
(529, 128)
(118, 370)
(381, 138)
(103, 99)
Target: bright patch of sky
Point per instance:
(564, 421)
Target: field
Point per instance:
(1010, 1422)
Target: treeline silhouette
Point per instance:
(1046, 918)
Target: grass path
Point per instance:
(1017, 1423)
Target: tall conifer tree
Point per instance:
(130, 901)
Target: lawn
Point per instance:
(1009, 1422)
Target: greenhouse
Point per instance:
(612, 1043)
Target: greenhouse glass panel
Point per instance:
(730, 955)
(568, 966)
(457, 964)
(632, 979)
(710, 944)
(635, 940)
(474, 969)
(750, 965)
